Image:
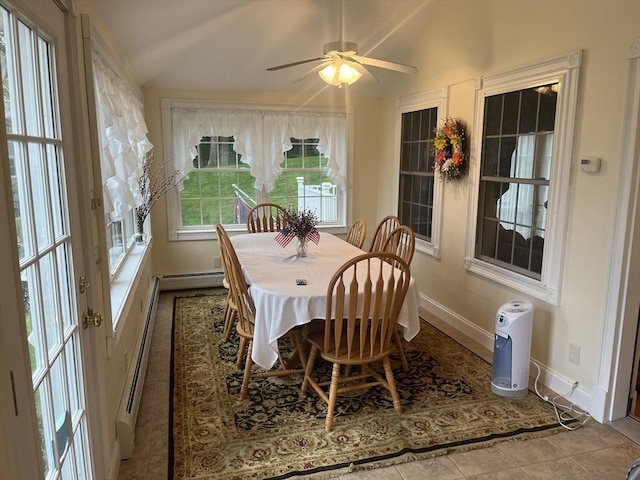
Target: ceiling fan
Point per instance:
(341, 65)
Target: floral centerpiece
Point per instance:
(449, 149)
(300, 224)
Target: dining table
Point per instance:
(282, 302)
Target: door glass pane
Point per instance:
(50, 295)
(45, 433)
(28, 80)
(47, 89)
(55, 181)
(37, 171)
(33, 314)
(20, 205)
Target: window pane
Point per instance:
(528, 111)
(510, 114)
(490, 157)
(493, 115)
(548, 100)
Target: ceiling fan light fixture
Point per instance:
(339, 73)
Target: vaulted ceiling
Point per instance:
(227, 45)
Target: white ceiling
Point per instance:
(228, 44)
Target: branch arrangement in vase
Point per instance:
(153, 185)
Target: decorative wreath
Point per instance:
(449, 149)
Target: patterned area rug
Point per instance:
(446, 397)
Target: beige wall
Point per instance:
(493, 36)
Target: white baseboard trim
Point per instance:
(555, 381)
(191, 280)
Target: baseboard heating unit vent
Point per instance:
(130, 401)
(192, 280)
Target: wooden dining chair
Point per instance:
(239, 291)
(364, 298)
(402, 242)
(387, 225)
(357, 233)
(266, 217)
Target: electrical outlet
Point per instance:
(574, 353)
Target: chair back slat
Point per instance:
(402, 242)
(266, 217)
(357, 233)
(362, 322)
(387, 225)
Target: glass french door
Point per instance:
(45, 331)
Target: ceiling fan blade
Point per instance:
(317, 68)
(374, 62)
(287, 65)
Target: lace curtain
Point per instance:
(261, 138)
(122, 139)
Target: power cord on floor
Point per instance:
(564, 413)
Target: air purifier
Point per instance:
(512, 349)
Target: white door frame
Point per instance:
(620, 323)
(20, 458)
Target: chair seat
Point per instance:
(341, 356)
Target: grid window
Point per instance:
(416, 192)
(220, 189)
(518, 135)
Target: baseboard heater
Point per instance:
(132, 393)
(192, 280)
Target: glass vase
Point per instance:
(140, 237)
(303, 243)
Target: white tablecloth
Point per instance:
(271, 271)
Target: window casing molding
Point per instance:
(176, 232)
(432, 99)
(566, 71)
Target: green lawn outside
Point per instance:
(208, 196)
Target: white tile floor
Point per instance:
(593, 452)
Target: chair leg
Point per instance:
(307, 372)
(242, 350)
(247, 375)
(388, 372)
(333, 395)
(230, 316)
(403, 358)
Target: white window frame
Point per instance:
(432, 99)
(178, 233)
(564, 70)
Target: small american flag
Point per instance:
(284, 237)
(314, 236)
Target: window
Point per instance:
(514, 181)
(419, 194)
(123, 144)
(238, 158)
(524, 132)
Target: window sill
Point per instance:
(209, 234)
(513, 280)
(126, 282)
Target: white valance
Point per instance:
(261, 138)
(122, 138)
